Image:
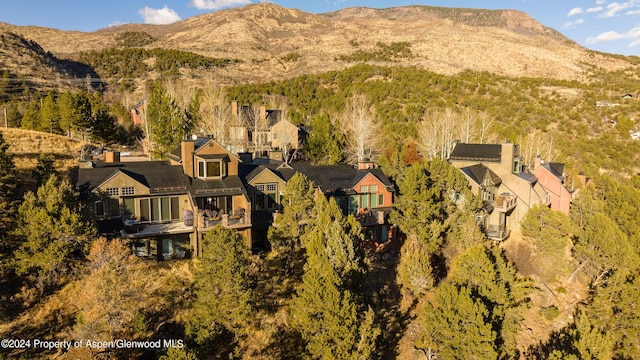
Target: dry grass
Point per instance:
(502, 42)
(27, 145)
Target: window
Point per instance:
(100, 208)
(128, 190)
(373, 188)
(364, 201)
(208, 169)
(364, 189)
(380, 199)
(266, 196)
(128, 207)
(113, 191)
(374, 200)
(162, 209)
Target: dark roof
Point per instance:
(336, 179)
(479, 172)
(477, 152)
(556, 169)
(528, 177)
(230, 185)
(158, 176)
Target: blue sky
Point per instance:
(603, 25)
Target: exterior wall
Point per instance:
(560, 196)
(282, 133)
(369, 180)
(213, 148)
(266, 177)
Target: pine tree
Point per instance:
(327, 309)
(457, 326)
(8, 183)
(223, 292)
(52, 234)
(297, 203)
(168, 124)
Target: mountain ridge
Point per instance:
(274, 42)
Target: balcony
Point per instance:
(505, 202)
(241, 220)
(370, 217)
(495, 232)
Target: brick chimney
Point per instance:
(187, 148)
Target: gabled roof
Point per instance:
(338, 179)
(283, 172)
(158, 176)
(198, 143)
(477, 152)
(556, 169)
(477, 173)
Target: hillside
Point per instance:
(275, 43)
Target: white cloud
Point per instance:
(614, 8)
(595, 9)
(575, 11)
(159, 16)
(217, 4)
(605, 37)
(572, 24)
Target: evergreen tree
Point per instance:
(44, 168)
(327, 309)
(297, 203)
(324, 143)
(167, 122)
(49, 117)
(223, 292)
(457, 325)
(8, 183)
(51, 233)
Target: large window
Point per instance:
(162, 209)
(209, 169)
(266, 196)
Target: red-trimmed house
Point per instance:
(551, 176)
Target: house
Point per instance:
(496, 176)
(137, 113)
(216, 190)
(145, 202)
(552, 177)
(363, 191)
(165, 207)
(286, 136)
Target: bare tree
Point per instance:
(537, 144)
(216, 114)
(361, 128)
(258, 125)
(437, 130)
(485, 129)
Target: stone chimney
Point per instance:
(187, 148)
